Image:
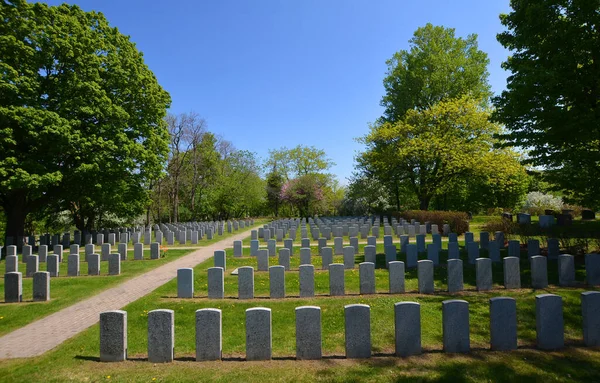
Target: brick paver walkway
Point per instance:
(42, 335)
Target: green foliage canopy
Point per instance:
(551, 105)
(81, 116)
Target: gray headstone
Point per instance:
(455, 326)
(307, 281)
(284, 258)
(58, 250)
(514, 248)
(277, 281)
(370, 253)
(52, 265)
(43, 253)
(305, 256)
(305, 242)
(41, 286)
(533, 247)
(354, 243)
(114, 264)
(12, 263)
(592, 269)
(483, 274)
(421, 243)
(336, 279)
(453, 250)
(411, 255)
(338, 244)
(237, 248)
(326, 257)
(452, 237)
(539, 272)
(455, 275)
(154, 250)
(469, 237)
(512, 273)
(566, 270)
(216, 283)
(433, 254)
(425, 275)
(13, 287)
(138, 251)
(123, 251)
(404, 240)
(73, 265)
(105, 251)
(503, 324)
(349, 257)
(366, 272)
(358, 331)
(220, 259)
(262, 257)
(472, 251)
(246, 282)
(27, 252)
(254, 247)
(590, 311)
(407, 323)
(289, 244)
(549, 322)
(185, 283)
(258, 334)
(253, 234)
(161, 336)
(32, 265)
(499, 239)
(308, 332)
(390, 254)
(484, 240)
(494, 252)
(396, 277)
(113, 336)
(93, 264)
(272, 247)
(209, 334)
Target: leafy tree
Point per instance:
(550, 106)
(438, 66)
(81, 116)
(305, 193)
(298, 161)
(436, 148)
(274, 183)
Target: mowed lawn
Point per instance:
(65, 291)
(77, 359)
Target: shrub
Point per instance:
(537, 202)
(457, 220)
(498, 224)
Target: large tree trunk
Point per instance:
(424, 202)
(15, 210)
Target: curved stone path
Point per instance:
(45, 334)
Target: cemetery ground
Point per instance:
(65, 290)
(78, 358)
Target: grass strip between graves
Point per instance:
(77, 359)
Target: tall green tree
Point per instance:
(81, 116)
(298, 161)
(438, 66)
(436, 149)
(551, 104)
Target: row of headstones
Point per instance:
(425, 276)
(357, 329)
(53, 260)
(279, 233)
(125, 235)
(13, 286)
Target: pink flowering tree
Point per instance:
(304, 193)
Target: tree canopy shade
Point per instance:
(81, 116)
(551, 105)
(438, 66)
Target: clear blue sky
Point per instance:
(267, 74)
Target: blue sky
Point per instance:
(266, 74)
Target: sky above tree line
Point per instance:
(266, 74)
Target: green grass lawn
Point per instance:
(65, 291)
(77, 359)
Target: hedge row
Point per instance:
(458, 221)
